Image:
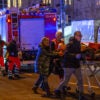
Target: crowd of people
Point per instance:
(52, 57)
(61, 59)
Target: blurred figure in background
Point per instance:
(2, 65)
(14, 61)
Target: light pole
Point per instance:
(17, 3)
(62, 14)
(3, 4)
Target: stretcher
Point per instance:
(91, 69)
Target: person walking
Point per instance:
(42, 66)
(55, 65)
(13, 59)
(71, 65)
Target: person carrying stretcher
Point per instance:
(71, 65)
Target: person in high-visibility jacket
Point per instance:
(61, 47)
(14, 61)
(55, 62)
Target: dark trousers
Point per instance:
(43, 80)
(56, 68)
(67, 74)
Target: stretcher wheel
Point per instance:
(68, 88)
(92, 94)
(77, 91)
(62, 97)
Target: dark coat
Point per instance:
(43, 60)
(73, 48)
(12, 49)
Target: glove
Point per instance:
(78, 56)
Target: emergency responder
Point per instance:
(14, 61)
(61, 47)
(71, 64)
(2, 65)
(55, 62)
(55, 42)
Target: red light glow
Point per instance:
(54, 19)
(9, 20)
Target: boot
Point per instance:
(64, 90)
(81, 97)
(17, 76)
(10, 78)
(45, 86)
(48, 94)
(3, 73)
(10, 75)
(35, 89)
(42, 87)
(16, 72)
(57, 93)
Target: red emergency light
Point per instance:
(54, 19)
(9, 20)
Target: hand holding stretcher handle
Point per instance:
(78, 56)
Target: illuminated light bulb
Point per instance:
(9, 20)
(54, 19)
